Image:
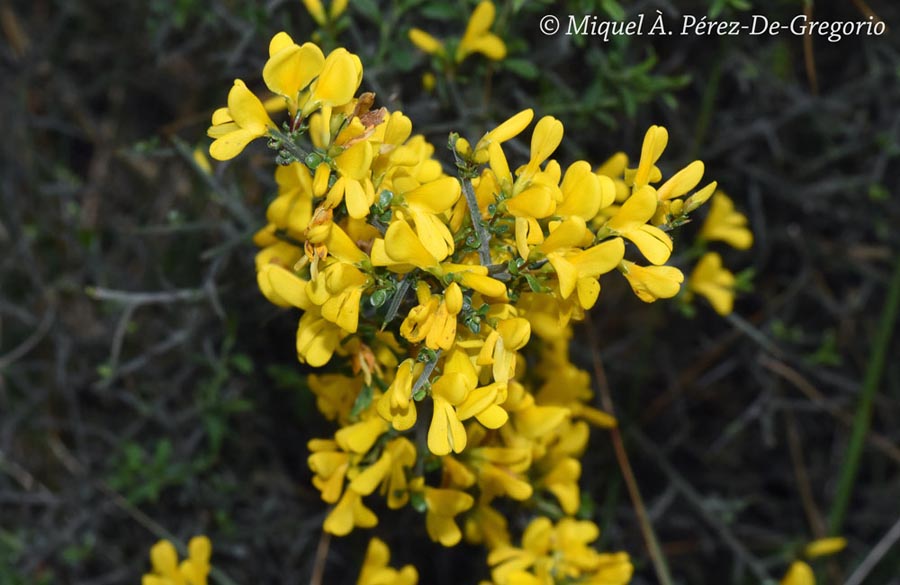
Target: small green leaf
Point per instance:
(613, 9)
(417, 501)
(522, 67)
(363, 401)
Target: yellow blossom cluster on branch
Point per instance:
(443, 305)
(477, 38)
(166, 570)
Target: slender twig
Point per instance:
(289, 145)
(31, 342)
(755, 334)
(426, 373)
(145, 298)
(876, 440)
(804, 486)
(484, 238)
(396, 301)
(874, 557)
(696, 500)
(863, 417)
(318, 572)
(656, 555)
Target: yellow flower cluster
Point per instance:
(193, 570)
(710, 279)
(799, 572)
(325, 17)
(375, 569)
(558, 554)
(478, 38)
(443, 305)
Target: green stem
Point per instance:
(484, 238)
(863, 417)
(426, 373)
(288, 144)
(660, 565)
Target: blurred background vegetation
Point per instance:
(146, 388)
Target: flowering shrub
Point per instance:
(442, 305)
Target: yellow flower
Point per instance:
(291, 68)
(562, 482)
(500, 346)
(681, 182)
(426, 42)
(478, 38)
(824, 547)
(375, 569)
(799, 573)
(558, 553)
(426, 206)
(631, 222)
(501, 471)
(545, 139)
(354, 185)
(194, 570)
(235, 126)
(434, 319)
(650, 283)
(711, 280)
(509, 129)
(338, 290)
(443, 505)
(282, 287)
(395, 485)
(201, 161)
(349, 513)
(567, 386)
(359, 437)
(429, 81)
(579, 269)
(614, 168)
(389, 471)
(317, 10)
(446, 432)
(401, 249)
(725, 224)
(291, 210)
(317, 338)
(335, 394)
(655, 141)
(337, 82)
(396, 405)
(329, 464)
(584, 193)
(485, 525)
(474, 277)
(677, 186)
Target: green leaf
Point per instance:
(613, 9)
(363, 401)
(242, 363)
(522, 67)
(417, 501)
(378, 298)
(440, 11)
(367, 8)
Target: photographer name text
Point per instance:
(758, 25)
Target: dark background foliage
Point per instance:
(147, 388)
